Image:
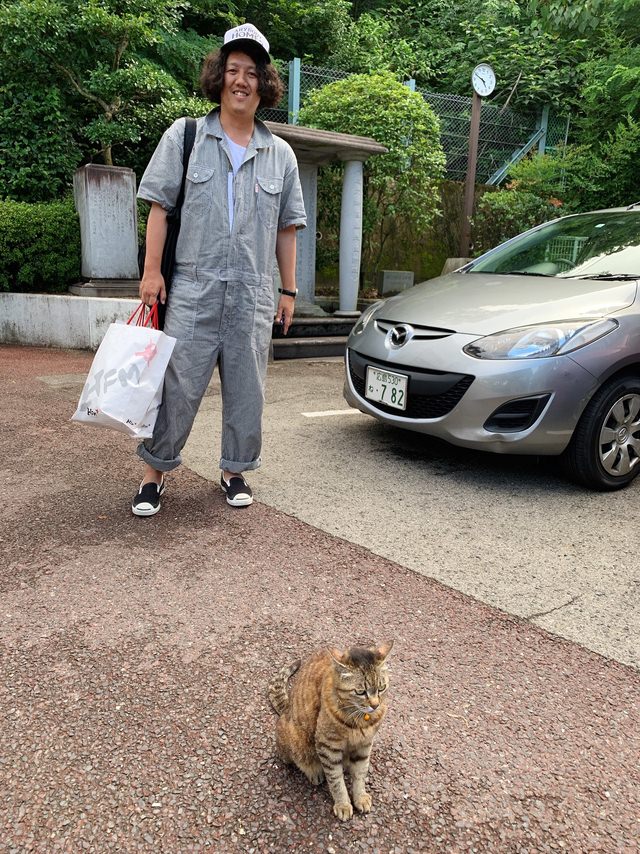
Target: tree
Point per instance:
(98, 52)
(402, 184)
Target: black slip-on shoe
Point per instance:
(238, 491)
(147, 500)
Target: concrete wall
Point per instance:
(47, 320)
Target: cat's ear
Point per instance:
(339, 666)
(382, 651)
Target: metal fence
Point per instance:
(504, 132)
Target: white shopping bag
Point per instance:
(124, 388)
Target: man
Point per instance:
(242, 206)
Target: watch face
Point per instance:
(483, 79)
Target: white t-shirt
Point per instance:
(237, 156)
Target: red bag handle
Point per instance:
(140, 318)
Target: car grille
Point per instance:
(418, 405)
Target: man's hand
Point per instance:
(152, 288)
(286, 306)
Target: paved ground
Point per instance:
(509, 531)
(134, 657)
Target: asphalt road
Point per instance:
(135, 653)
(509, 531)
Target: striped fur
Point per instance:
(329, 716)
(278, 695)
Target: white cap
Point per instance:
(246, 33)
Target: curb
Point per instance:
(56, 320)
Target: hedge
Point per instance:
(39, 246)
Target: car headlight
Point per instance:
(538, 342)
(365, 317)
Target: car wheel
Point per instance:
(604, 452)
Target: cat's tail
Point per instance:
(278, 696)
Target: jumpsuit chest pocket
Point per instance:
(198, 196)
(269, 192)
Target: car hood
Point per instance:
(484, 303)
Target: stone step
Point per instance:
(317, 327)
(308, 347)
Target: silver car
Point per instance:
(533, 348)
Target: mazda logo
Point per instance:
(399, 336)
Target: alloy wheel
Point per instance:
(619, 441)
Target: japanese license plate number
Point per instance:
(387, 388)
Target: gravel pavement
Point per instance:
(135, 655)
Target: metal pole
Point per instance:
(294, 90)
(469, 185)
(543, 122)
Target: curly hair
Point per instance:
(270, 86)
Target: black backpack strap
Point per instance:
(189, 137)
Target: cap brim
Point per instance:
(249, 46)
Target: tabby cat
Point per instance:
(329, 717)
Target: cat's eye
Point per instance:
(382, 688)
(360, 693)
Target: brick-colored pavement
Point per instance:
(135, 655)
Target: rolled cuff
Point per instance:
(299, 223)
(156, 462)
(238, 467)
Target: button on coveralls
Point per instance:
(221, 306)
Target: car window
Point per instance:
(583, 245)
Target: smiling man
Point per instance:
(242, 206)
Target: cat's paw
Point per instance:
(343, 811)
(315, 776)
(363, 802)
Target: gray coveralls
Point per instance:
(221, 305)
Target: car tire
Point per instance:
(604, 452)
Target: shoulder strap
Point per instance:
(189, 137)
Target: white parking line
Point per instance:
(331, 412)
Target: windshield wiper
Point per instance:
(513, 273)
(610, 276)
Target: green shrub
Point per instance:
(38, 154)
(500, 216)
(401, 186)
(39, 246)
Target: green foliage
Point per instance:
(500, 34)
(611, 91)
(614, 175)
(181, 54)
(39, 246)
(500, 216)
(402, 184)
(93, 49)
(35, 166)
(568, 178)
(581, 15)
(154, 120)
(304, 28)
(371, 44)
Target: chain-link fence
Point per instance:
(503, 131)
(315, 78)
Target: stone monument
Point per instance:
(105, 198)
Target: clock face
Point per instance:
(483, 79)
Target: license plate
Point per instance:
(387, 388)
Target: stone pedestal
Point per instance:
(394, 281)
(105, 198)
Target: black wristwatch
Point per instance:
(286, 293)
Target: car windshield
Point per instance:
(604, 245)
